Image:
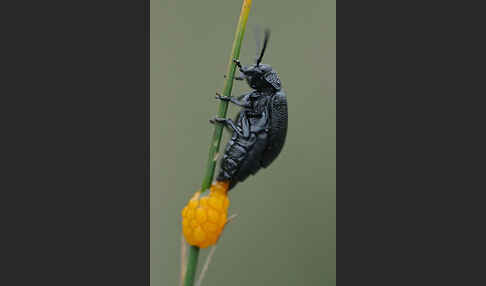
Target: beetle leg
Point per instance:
(236, 77)
(220, 97)
(240, 103)
(233, 100)
(245, 126)
(227, 122)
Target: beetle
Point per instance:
(260, 128)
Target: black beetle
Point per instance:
(260, 128)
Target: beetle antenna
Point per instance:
(257, 31)
(265, 42)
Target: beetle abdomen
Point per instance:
(252, 163)
(233, 156)
(242, 158)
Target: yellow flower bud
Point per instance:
(203, 219)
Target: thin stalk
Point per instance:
(228, 86)
(183, 260)
(210, 255)
(191, 265)
(218, 129)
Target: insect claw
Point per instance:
(220, 97)
(237, 62)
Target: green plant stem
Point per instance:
(218, 129)
(223, 105)
(191, 266)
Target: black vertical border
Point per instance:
(67, 147)
(410, 146)
(147, 31)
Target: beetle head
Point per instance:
(261, 76)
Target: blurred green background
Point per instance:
(285, 232)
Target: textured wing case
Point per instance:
(278, 128)
(245, 156)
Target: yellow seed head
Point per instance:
(203, 219)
